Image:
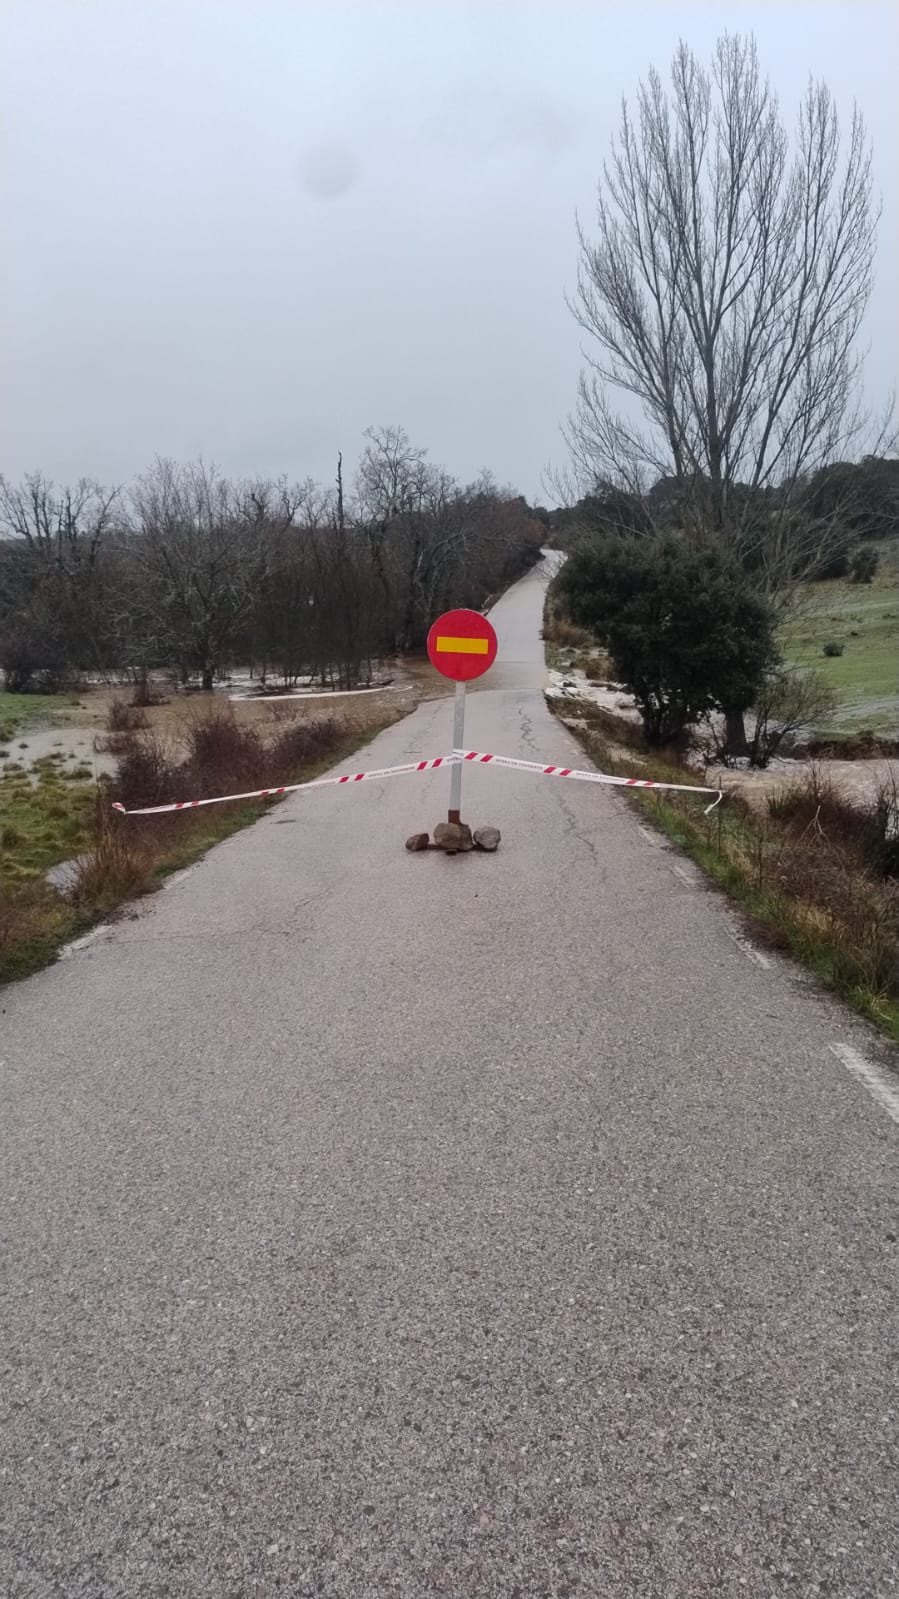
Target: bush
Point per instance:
(832, 648)
(224, 756)
(559, 631)
(124, 718)
(786, 701)
(147, 772)
(302, 745)
(867, 828)
(117, 866)
(685, 632)
(864, 565)
(833, 566)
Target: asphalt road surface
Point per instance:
(381, 1224)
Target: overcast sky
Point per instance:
(251, 228)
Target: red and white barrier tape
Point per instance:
(585, 777)
(454, 759)
(292, 788)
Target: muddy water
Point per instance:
(859, 780)
(72, 733)
(74, 744)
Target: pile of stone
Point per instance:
(456, 838)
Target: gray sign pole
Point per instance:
(458, 744)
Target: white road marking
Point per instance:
(82, 943)
(749, 950)
(686, 875)
(879, 1085)
(651, 838)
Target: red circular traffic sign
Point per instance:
(462, 645)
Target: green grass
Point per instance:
(18, 710)
(43, 822)
(784, 885)
(864, 618)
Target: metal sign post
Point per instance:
(462, 645)
(455, 804)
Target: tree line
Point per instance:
(191, 571)
(838, 517)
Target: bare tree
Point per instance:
(57, 538)
(198, 570)
(196, 559)
(63, 527)
(725, 292)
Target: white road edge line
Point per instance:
(878, 1084)
(686, 876)
(749, 950)
(651, 838)
(82, 943)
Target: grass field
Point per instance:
(17, 710)
(42, 822)
(864, 618)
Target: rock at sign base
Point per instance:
(453, 837)
(487, 838)
(418, 841)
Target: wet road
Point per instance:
(377, 1224)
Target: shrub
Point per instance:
(117, 866)
(302, 744)
(869, 829)
(222, 755)
(125, 718)
(559, 631)
(147, 773)
(833, 565)
(786, 701)
(864, 564)
(832, 648)
(685, 632)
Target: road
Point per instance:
(379, 1224)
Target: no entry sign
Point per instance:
(462, 645)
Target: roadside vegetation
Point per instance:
(160, 588)
(816, 873)
(732, 528)
(51, 815)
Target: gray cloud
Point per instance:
(254, 227)
(479, 119)
(328, 170)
